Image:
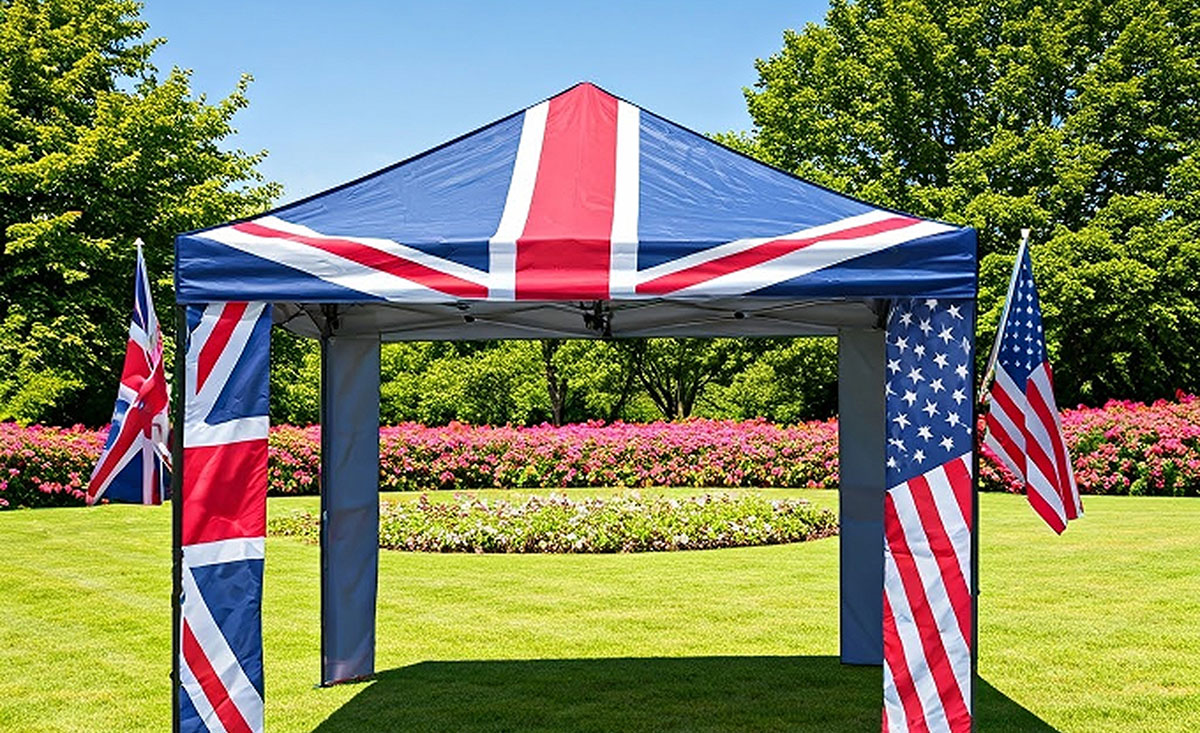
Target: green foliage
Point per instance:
(506, 382)
(494, 385)
(557, 524)
(295, 379)
(1078, 118)
(676, 372)
(1121, 299)
(601, 379)
(792, 382)
(96, 150)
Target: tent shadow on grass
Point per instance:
(639, 694)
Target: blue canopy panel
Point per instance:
(581, 197)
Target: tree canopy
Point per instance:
(1078, 118)
(96, 149)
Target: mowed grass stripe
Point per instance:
(1098, 630)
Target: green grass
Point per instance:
(1098, 630)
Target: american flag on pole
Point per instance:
(1023, 427)
(135, 464)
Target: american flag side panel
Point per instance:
(224, 491)
(927, 603)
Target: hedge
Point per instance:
(1120, 448)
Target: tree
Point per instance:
(793, 380)
(96, 150)
(295, 378)
(1121, 302)
(676, 371)
(1079, 118)
(557, 386)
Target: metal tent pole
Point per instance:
(177, 409)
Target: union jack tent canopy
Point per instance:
(581, 216)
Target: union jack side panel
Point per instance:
(581, 197)
(224, 517)
(928, 510)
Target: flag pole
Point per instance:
(974, 590)
(989, 372)
(177, 511)
(981, 400)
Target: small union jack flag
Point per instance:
(135, 464)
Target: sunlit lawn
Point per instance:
(1098, 630)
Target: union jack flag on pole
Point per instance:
(1023, 428)
(135, 464)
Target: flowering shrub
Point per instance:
(555, 523)
(696, 453)
(1127, 448)
(42, 466)
(1121, 448)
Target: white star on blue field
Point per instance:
(928, 386)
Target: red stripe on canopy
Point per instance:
(573, 193)
(762, 253)
(376, 259)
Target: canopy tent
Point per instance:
(581, 216)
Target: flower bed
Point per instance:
(1121, 448)
(625, 523)
(1127, 448)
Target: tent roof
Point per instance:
(581, 198)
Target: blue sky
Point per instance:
(344, 88)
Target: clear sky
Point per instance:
(343, 88)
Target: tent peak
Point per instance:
(584, 90)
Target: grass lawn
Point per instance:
(1098, 630)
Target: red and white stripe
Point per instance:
(216, 345)
(577, 171)
(210, 673)
(1025, 432)
(927, 605)
(751, 264)
(372, 265)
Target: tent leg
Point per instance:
(349, 506)
(177, 413)
(861, 441)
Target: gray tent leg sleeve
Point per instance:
(349, 506)
(861, 440)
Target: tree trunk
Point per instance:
(556, 387)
